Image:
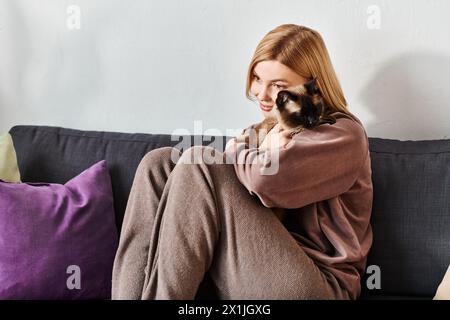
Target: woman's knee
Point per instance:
(201, 155)
(159, 157)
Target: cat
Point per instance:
(296, 109)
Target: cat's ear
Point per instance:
(311, 87)
(282, 97)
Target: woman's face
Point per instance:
(270, 77)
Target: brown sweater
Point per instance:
(324, 181)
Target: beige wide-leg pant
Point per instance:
(185, 220)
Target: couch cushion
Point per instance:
(410, 215)
(9, 171)
(58, 241)
(54, 154)
(443, 291)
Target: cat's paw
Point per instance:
(295, 131)
(243, 138)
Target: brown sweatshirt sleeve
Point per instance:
(317, 164)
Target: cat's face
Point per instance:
(299, 106)
(268, 78)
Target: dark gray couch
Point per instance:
(411, 211)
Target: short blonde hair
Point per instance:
(302, 50)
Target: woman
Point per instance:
(186, 221)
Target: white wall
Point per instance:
(156, 66)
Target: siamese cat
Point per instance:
(296, 109)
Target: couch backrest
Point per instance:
(411, 209)
(410, 215)
(56, 155)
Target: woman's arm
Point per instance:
(277, 137)
(318, 164)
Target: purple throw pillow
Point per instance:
(58, 241)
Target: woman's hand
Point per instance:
(230, 144)
(275, 138)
